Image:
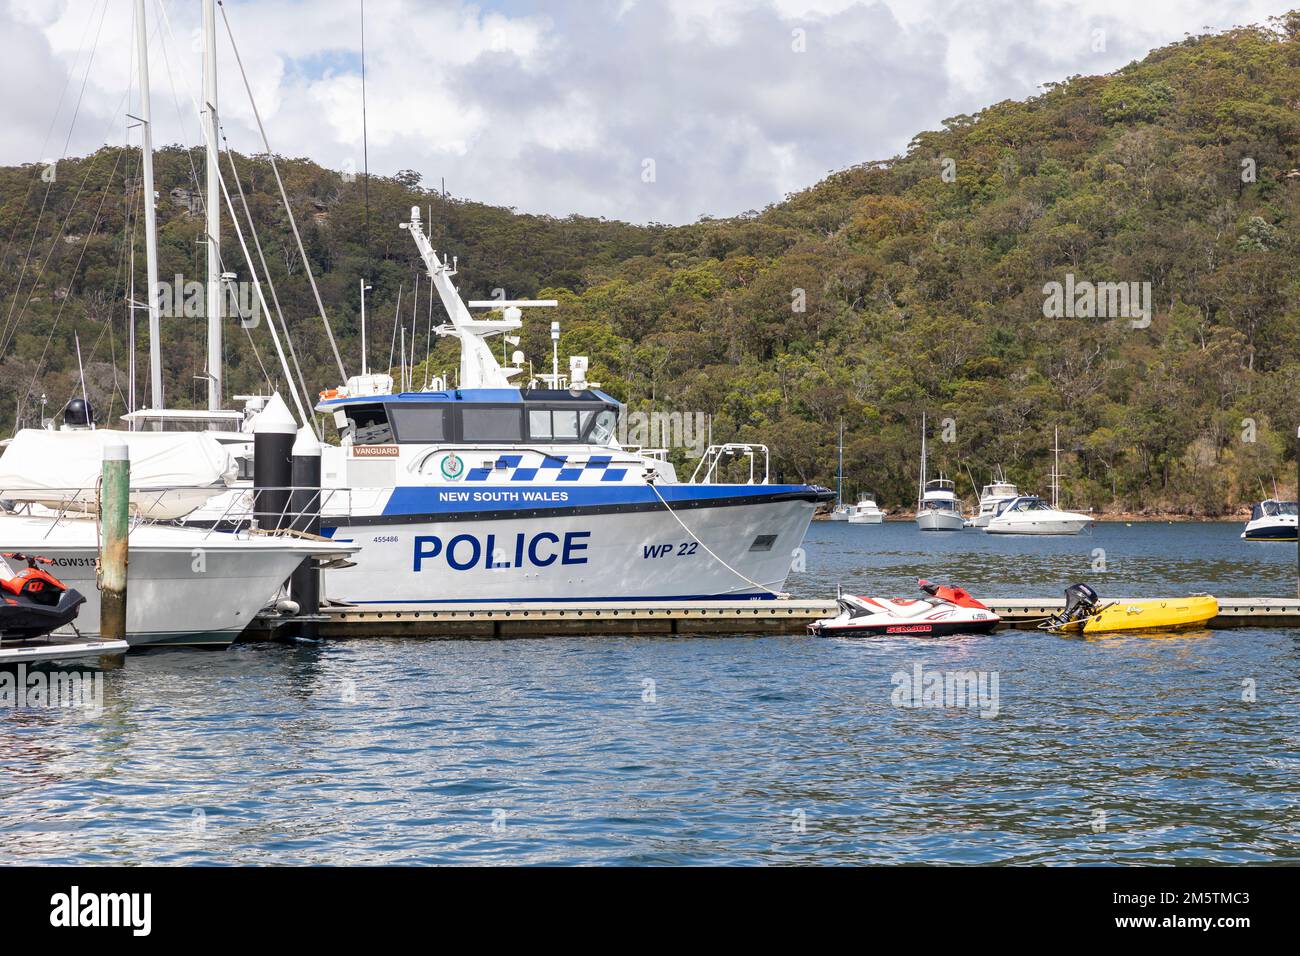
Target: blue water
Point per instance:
(743, 749)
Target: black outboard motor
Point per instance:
(1081, 602)
(78, 414)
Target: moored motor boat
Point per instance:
(866, 511)
(1029, 514)
(1272, 520)
(1085, 613)
(939, 509)
(991, 496)
(945, 610)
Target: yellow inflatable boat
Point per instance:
(1085, 613)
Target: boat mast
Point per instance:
(130, 340)
(150, 220)
(213, 206)
(1056, 469)
(920, 492)
(839, 472)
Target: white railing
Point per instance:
(715, 456)
(227, 509)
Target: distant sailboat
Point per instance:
(937, 507)
(842, 511)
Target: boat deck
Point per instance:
(789, 616)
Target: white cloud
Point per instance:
(552, 108)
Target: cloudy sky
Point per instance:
(556, 106)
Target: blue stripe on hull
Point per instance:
(408, 500)
(1271, 534)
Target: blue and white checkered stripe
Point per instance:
(552, 468)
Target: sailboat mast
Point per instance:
(1056, 469)
(130, 339)
(150, 219)
(920, 488)
(839, 472)
(213, 204)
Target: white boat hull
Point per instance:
(184, 587)
(478, 555)
(877, 518)
(1050, 526)
(1273, 528)
(939, 521)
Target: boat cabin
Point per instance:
(1273, 509)
(487, 416)
(1023, 503)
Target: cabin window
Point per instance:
(602, 432)
(369, 425)
(556, 424)
(539, 423)
(492, 425)
(421, 423)
(566, 424)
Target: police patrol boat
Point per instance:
(489, 492)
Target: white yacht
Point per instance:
(490, 492)
(866, 511)
(1030, 514)
(1272, 520)
(937, 505)
(939, 509)
(992, 495)
(187, 585)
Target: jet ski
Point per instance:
(34, 602)
(944, 610)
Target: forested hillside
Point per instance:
(890, 289)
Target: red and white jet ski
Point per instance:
(945, 610)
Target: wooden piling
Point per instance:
(114, 518)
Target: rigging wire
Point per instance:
(275, 336)
(4, 338)
(365, 139)
(54, 117)
(76, 269)
(243, 244)
(266, 270)
(397, 320)
(415, 318)
(428, 343)
(288, 207)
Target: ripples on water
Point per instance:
(404, 751)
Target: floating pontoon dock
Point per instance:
(42, 650)
(787, 616)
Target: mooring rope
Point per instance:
(707, 549)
